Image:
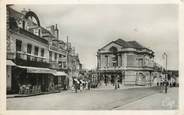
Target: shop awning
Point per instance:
(37, 70)
(10, 63)
(60, 73)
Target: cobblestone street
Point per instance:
(134, 98)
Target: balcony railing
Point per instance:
(140, 66)
(62, 59)
(25, 59)
(54, 65)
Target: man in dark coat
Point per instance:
(165, 84)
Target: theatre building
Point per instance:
(128, 61)
(28, 64)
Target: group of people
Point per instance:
(163, 85)
(29, 89)
(114, 81)
(81, 85)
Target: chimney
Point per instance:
(24, 11)
(57, 32)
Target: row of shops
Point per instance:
(34, 80)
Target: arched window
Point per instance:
(115, 56)
(113, 49)
(32, 16)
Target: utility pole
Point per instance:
(67, 54)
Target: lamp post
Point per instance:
(165, 55)
(105, 76)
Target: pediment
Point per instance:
(110, 45)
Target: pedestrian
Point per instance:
(64, 83)
(105, 80)
(75, 85)
(165, 85)
(116, 82)
(81, 86)
(161, 86)
(89, 84)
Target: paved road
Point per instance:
(86, 100)
(157, 101)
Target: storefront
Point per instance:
(9, 66)
(109, 76)
(61, 80)
(34, 80)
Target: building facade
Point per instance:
(128, 61)
(36, 57)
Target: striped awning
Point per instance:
(60, 73)
(37, 69)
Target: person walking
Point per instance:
(89, 84)
(81, 86)
(161, 86)
(75, 85)
(116, 82)
(165, 85)
(105, 80)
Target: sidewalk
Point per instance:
(28, 95)
(100, 88)
(159, 101)
(110, 87)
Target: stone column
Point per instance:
(119, 60)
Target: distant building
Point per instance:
(173, 77)
(131, 62)
(73, 64)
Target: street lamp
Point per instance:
(165, 55)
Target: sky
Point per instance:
(91, 26)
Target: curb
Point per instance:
(19, 96)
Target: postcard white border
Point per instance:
(3, 110)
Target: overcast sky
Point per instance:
(90, 27)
